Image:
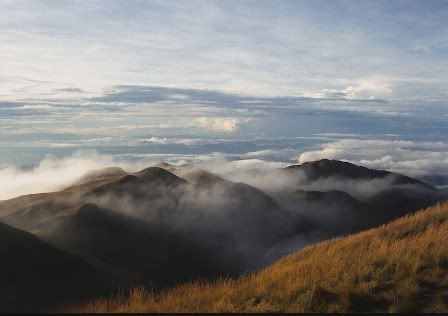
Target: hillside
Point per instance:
(39, 274)
(398, 267)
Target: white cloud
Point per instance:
(35, 107)
(283, 154)
(407, 157)
(51, 174)
(220, 124)
(175, 141)
(371, 88)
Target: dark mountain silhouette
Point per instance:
(141, 252)
(329, 214)
(35, 274)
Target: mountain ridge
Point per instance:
(139, 226)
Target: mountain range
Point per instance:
(168, 224)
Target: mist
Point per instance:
(53, 174)
(49, 175)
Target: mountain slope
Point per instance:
(35, 275)
(144, 253)
(387, 195)
(143, 224)
(398, 267)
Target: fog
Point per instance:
(49, 175)
(52, 174)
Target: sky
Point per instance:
(262, 81)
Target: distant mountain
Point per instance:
(387, 195)
(321, 169)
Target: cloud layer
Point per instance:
(346, 48)
(423, 160)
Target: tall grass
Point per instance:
(398, 267)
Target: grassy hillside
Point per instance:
(398, 267)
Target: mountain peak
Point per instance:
(158, 174)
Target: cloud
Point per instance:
(258, 168)
(36, 107)
(278, 154)
(220, 124)
(417, 159)
(174, 141)
(222, 46)
(369, 89)
(50, 174)
(372, 88)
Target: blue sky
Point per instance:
(271, 80)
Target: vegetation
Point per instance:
(398, 267)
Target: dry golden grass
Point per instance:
(398, 267)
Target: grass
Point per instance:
(398, 267)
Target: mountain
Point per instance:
(142, 252)
(40, 275)
(388, 195)
(399, 267)
(159, 227)
(334, 212)
(143, 224)
(324, 168)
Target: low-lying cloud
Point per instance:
(424, 160)
(50, 174)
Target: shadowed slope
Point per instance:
(35, 275)
(143, 252)
(399, 267)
